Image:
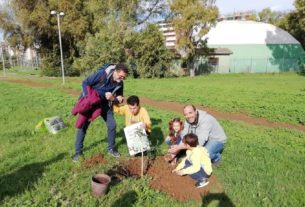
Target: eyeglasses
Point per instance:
(122, 77)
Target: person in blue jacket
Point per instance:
(108, 82)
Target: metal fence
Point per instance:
(265, 65)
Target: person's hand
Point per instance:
(176, 148)
(120, 99)
(173, 149)
(174, 170)
(180, 172)
(109, 96)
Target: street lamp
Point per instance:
(53, 12)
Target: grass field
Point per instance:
(276, 97)
(261, 166)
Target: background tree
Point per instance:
(112, 23)
(252, 16)
(119, 38)
(271, 17)
(93, 31)
(105, 46)
(33, 21)
(186, 16)
(295, 22)
(13, 33)
(152, 58)
(148, 9)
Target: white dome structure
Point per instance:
(255, 46)
(248, 32)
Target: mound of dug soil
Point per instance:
(181, 188)
(96, 159)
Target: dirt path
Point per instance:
(178, 107)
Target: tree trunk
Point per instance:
(192, 72)
(190, 66)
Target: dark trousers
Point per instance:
(107, 115)
(198, 175)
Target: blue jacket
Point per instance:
(108, 85)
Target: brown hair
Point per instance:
(190, 105)
(121, 67)
(173, 138)
(190, 139)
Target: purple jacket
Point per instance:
(88, 107)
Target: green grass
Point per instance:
(260, 167)
(276, 97)
(36, 168)
(23, 71)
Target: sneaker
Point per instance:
(202, 183)
(77, 157)
(114, 153)
(216, 162)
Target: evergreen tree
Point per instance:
(152, 57)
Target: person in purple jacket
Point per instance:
(108, 82)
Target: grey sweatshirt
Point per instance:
(207, 128)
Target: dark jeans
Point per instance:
(198, 175)
(107, 115)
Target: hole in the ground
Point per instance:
(131, 169)
(120, 172)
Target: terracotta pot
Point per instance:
(99, 184)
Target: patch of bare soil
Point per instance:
(181, 188)
(94, 160)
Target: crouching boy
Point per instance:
(197, 162)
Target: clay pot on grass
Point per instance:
(99, 184)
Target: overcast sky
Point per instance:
(228, 6)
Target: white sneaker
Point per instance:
(202, 183)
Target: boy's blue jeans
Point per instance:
(214, 148)
(198, 175)
(111, 129)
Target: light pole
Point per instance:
(58, 14)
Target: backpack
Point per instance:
(109, 71)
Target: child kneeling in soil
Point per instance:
(197, 162)
(174, 138)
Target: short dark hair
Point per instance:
(132, 100)
(191, 105)
(121, 67)
(190, 139)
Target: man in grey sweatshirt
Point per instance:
(210, 134)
